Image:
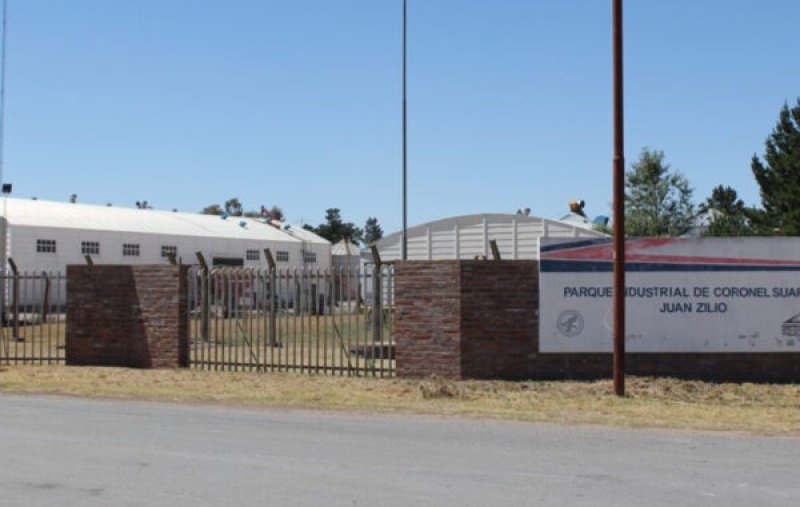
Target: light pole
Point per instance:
(6, 187)
(404, 246)
(3, 92)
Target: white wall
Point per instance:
(470, 236)
(22, 248)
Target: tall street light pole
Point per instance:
(6, 188)
(404, 247)
(3, 89)
(619, 206)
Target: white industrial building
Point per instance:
(346, 255)
(48, 236)
(470, 236)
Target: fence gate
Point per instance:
(33, 308)
(335, 322)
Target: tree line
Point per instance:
(334, 228)
(658, 200)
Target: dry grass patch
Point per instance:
(654, 403)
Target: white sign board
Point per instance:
(711, 295)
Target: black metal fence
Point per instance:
(336, 321)
(33, 317)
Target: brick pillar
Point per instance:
(131, 316)
(428, 328)
(466, 319)
(499, 318)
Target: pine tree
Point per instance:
(212, 209)
(779, 175)
(276, 212)
(372, 231)
(729, 215)
(335, 229)
(657, 201)
(233, 207)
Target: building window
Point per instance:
(90, 248)
(130, 249)
(169, 251)
(252, 255)
(281, 256)
(46, 245)
(310, 257)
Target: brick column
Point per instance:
(465, 319)
(499, 324)
(131, 316)
(428, 327)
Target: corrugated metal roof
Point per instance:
(344, 247)
(468, 236)
(37, 213)
(303, 234)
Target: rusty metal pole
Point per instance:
(619, 206)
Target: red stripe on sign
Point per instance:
(636, 251)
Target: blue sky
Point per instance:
(186, 103)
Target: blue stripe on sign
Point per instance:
(574, 266)
(553, 266)
(574, 244)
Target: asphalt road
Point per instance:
(75, 452)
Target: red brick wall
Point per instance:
(762, 367)
(428, 326)
(499, 303)
(131, 316)
(465, 319)
(479, 319)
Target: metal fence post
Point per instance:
(377, 311)
(204, 306)
(45, 297)
(272, 312)
(15, 298)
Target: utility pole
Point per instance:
(619, 205)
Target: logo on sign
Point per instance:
(570, 323)
(791, 327)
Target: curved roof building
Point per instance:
(470, 236)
